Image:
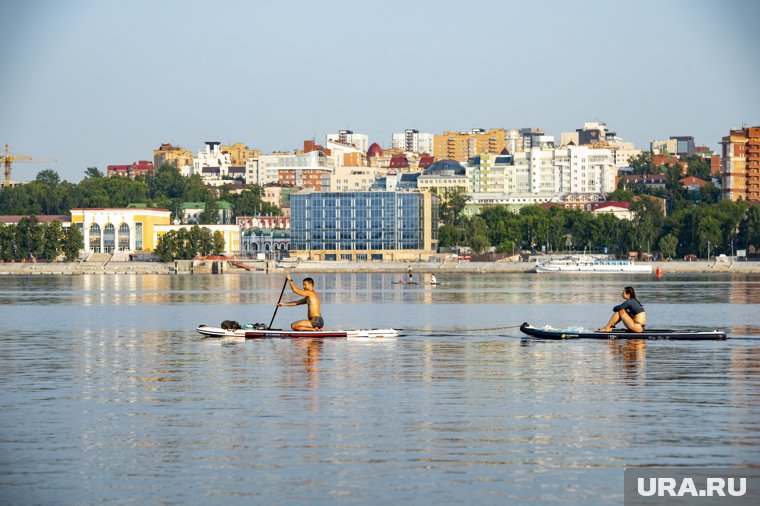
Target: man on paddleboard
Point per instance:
(311, 299)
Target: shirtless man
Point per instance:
(310, 298)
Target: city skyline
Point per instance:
(94, 84)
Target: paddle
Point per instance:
(278, 303)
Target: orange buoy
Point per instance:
(658, 273)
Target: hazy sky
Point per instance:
(94, 83)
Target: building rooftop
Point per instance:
(445, 168)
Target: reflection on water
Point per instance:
(108, 395)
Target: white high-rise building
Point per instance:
(545, 171)
(359, 141)
(413, 141)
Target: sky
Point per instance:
(95, 83)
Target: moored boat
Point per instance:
(652, 334)
(584, 264)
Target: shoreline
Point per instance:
(261, 267)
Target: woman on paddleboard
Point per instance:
(630, 312)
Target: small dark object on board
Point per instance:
(230, 325)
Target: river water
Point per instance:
(107, 394)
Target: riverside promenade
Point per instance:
(305, 267)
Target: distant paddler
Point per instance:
(630, 312)
(311, 299)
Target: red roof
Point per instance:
(399, 162)
(375, 150)
(44, 218)
(620, 205)
(426, 161)
(691, 181)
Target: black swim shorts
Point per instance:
(317, 322)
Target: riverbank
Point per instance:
(259, 267)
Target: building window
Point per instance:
(95, 238)
(123, 237)
(138, 236)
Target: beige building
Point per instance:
(461, 146)
(350, 179)
(240, 153)
(176, 156)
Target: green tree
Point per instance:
(751, 228)
(449, 236)
(698, 167)
(218, 243)
(476, 234)
(7, 243)
(52, 241)
(29, 237)
(48, 177)
(73, 241)
(451, 207)
(668, 244)
(709, 236)
(709, 194)
(642, 164)
(93, 172)
(210, 213)
(166, 248)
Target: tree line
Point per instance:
(698, 229)
(163, 188)
(31, 240)
(184, 244)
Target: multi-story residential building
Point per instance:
(528, 137)
(239, 153)
(443, 177)
(567, 138)
(592, 132)
(414, 141)
(214, 166)
(541, 175)
(350, 179)
(304, 170)
(345, 154)
(741, 164)
(400, 226)
(172, 155)
(663, 147)
(487, 172)
(141, 168)
(359, 141)
(461, 146)
(684, 145)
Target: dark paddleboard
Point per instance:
(679, 335)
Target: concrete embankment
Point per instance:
(253, 268)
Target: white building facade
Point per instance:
(413, 141)
(360, 141)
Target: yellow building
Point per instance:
(172, 155)
(129, 230)
(461, 146)
(239, 153)
(231, 234)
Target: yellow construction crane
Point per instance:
(9, 159)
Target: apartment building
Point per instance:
(461, 146)
(741, 164)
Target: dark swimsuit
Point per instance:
(632, 307)
(317, 322)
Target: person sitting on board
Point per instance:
(310, 298)
(630, 312)
(433, 281)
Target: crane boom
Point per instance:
(8, 159)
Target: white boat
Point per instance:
(588, 264)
